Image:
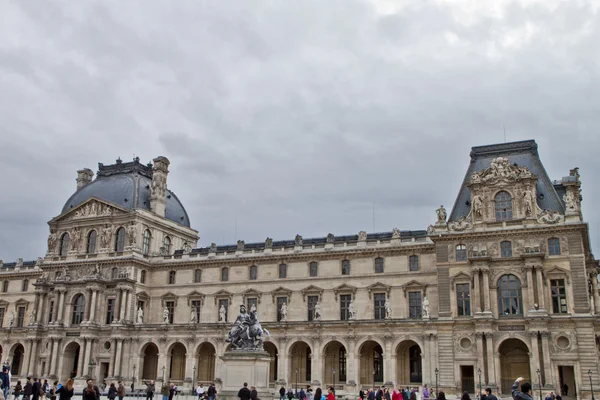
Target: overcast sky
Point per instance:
(290, 116)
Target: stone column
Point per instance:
(530, 295)
(486, 290)
(476, 292)
(54, 356)
(118, 357)
(93, 309)
(282, 365)
(33, 359)
(111, 365)
(88, 354)
(387, 358)
(61, 306)
(123, 304)
(117, 316)
(480, 350)
(498, 368)
(491, 373)
(540, 287)
(534, 360)
(82, 355)
(130, 297)
(547, 362)
(315, 362)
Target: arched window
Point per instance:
(91, 242)
(25, 286)
(143, 276)
(253, 272)
(503, 206)
(506, 249)
(120, 240)
(554, 247)
(78, 309)
(510, 301)
(224, 274)
(171, 277)
(167, 245)
(461, 252)
(282, 270)
(114, 273)
(146, 243)
(197, 275)
(64, 244)
(379, 265)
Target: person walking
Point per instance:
(426, 393)
(290, 394)
(66, 392)
(525, 393)
(172, 390)
(27, 389)
(302, 394)
(330, 393)
(5, 381)
(282, 393)
(244, 392)
(112, 392)
(165, 390)
(53, 390)
(121, 390)
(253, 393)
(441, 396)
(36, 389)
(489, 395)
(319, 394)
(465, 396)
(89, 393)
(150, 388)
(18, 390)
(212, 391)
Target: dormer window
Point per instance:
(503, 203)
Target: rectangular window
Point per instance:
(554, 247)
(253, 272)
(170, 305)
(312, 302)
(379, 265)
(282, 271)
(5, 286)
(20, 317)
(25, 285)
(413, 263)
(280, 301)
(379, 304)
(461, 252)
(198, 276)
(313, 269)
(559, 296)
(345, 300)
(414, 304)
(110, 311)
(196, 309)
(171, 277)
(251, 301)
(2, 312)
(346, 267)
(506, 249)
(225, 304)
(463, 299)
(51, 311)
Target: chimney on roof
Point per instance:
(158, 195)
(84, 176)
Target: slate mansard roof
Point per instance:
(128, 185)
(524, 154)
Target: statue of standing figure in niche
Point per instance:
(193, 318)
(317, 312)
(388, 309)
(351, 311)
(283, 311)
(166, 315)
(140, 315)
(222, 313)
(425, 307)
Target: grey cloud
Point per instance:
(289, 117)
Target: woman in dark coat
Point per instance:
(18, 390)
(89, 393)
(465, 396)
(112, 391)
(66, 392)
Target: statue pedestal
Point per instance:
(252, 367)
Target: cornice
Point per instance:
(547, 230)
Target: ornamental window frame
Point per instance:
(92, 240)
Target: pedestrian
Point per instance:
(18, 390)
(371, 394)
(172, 390)
(290, 394)
(5, 381)
(212, 391)
(66, 392)
(319, 394)
(96, 389)
(309, 393)
(89, 393)
(413, 396)
(27, 389)
(46, 389)
(244, 392)
(489, 395)
(253, 393)
(396, 395)
(121, 391)
(330, 393)
(112, 391)
(150, 388)
(36, 389)
(565, 389)
(426, 393)
(53, 390)
(165, 391)
(282, 393)
(200, 391)
(525, 393)
(379, 394)
(302, 394)
(441, 396)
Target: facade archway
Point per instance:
(149, 362)
(334, 364)
(17, 358)
(409, 363)
(371, 364)
(70, 361)
(514, 362)
(274, 354)
(206, 358)
(300, 373)
(177, 357)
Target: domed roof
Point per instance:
(127, 185)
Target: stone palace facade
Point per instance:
(503, 285)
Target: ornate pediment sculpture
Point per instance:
(501, 170)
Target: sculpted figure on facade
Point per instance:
(105, 236)
(351, 310)
(477, 206)
(268, 243)
(166, 315)
(19, 262)
(222, 313)
(388, 309)
(441, 215)
(132, 234)
(11, 319)
(32, 316)
(425, 307)
(52, 239)
(298, 240)
(318, 312)
(549, 217)
(528, 203)
(213, 247)
(461, 224)
(395, 233)
(75, 239)
(362, 236)
(570, 202)
(240, 245)
(500, 169)
(330, 238)
(283, 311)
(193, 318)
(187, 248)
(140, 315)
